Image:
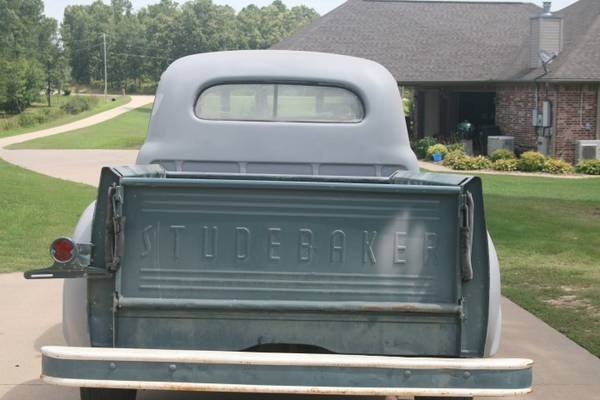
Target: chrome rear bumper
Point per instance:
(290, 373)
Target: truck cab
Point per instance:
(277, 236)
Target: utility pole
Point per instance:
(105, 69)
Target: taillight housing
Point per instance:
(63, 250)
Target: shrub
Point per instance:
(452, 158)
(78, 104)
(589, 167)
(505, 164)
(531, 161)
(67, 92)
(422, 145)
(436, 148)
(456, 147)
(480, 162)
(132, 88)
(8, 123)
(459, 161)
(502, 154)
(556, 166)
(27, 119)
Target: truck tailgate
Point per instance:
(369, 267)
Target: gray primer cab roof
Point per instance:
(378, 145)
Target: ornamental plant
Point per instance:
(461, 162)
(589, 167)
(455, 147)
(422, 145)
(531, 161)
(502, 154)
(505, 164)
(557, 166)
(436, 148)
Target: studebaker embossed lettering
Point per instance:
(307, 244)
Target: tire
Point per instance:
(107, 394)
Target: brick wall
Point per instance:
(513, 113)
(575, 114)
(575, 108)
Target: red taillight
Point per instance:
(62, 250)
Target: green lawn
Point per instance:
(100, 107)
(127, 131)
(34, 210)
(547, 232)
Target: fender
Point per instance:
(494, 329)
(75, 311)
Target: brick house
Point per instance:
(489, 63)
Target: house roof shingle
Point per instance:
(445, 41)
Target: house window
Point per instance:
(279, 103)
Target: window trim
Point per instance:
(276, 84)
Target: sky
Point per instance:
(54, 8)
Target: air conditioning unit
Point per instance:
(588, 150)
(500, 142)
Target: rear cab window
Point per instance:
(276, 102)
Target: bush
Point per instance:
(556, 166)
(436, 148)
(453, 157)
(456, 147)
(502, 154)
(422, 145)
(67, 92)
(35, 116)
(589, 167)
(27, 119)
(132, 88)
(505, 164)
(79, 104)
(531, 161)
(459, 161)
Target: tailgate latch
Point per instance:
(114, 228)
(467, 212)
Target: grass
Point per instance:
(34, 210)
(127, 131)
(547, 233)
(100, 107)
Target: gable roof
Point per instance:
(580, 59)
(446, 41)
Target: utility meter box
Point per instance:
(547, 114)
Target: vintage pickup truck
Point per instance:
(276, 236)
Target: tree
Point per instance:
(27, 39)
(141, 44)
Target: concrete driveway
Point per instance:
(31, 310)
(31, 318)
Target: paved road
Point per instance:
(75, 165)
(31, 310)
(136, 101)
